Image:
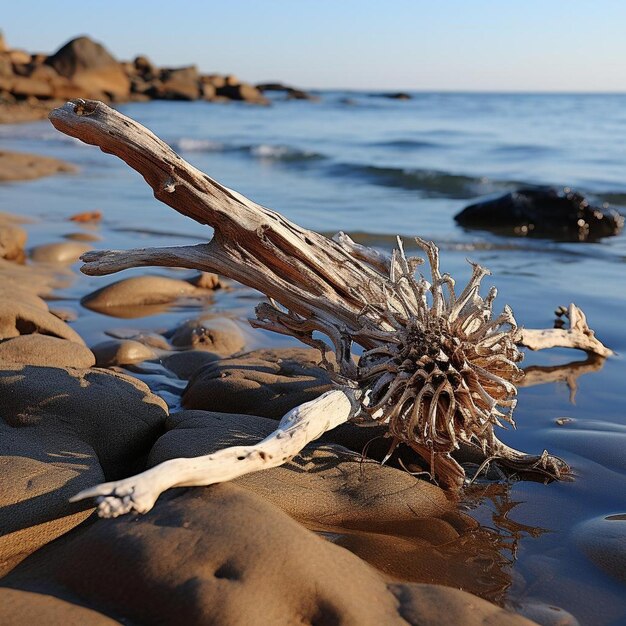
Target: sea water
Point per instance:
(376, 168)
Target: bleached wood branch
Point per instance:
(428, 350)
(578, 335)
(297, 428)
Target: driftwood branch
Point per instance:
(578, 335)
(437, 367)
(297, 428)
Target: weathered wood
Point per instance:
(437, 368)
(298, 427)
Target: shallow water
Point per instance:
(376, 168)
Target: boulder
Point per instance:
(31, 87)
(115, 413)
(141, 291)
(23, 295)
(389, 518)
(23, 608)
(542, 212)
(177, 84)
(3, 44)
(62, 430)
(186, 363)
(66, 252)
(6, 67)
(89, 65)
(242, 91)
(208, 91)
(23, 166)
(291, 93)
(324, 484)
(121, 352)
(46, 351)
(82, 237)
(12, 240)
(219, 335)
(263, 382)
(40, 280)
(145, 68)
(45, 73)
(19, 318)
(222, 555)
(215, 80)
(20, 57)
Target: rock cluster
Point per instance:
(83, 68)
(328, 538)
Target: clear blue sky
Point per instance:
(519, 45)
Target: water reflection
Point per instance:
(569, 373)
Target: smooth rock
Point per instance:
(323, 480)
(61, 431)
(44, 350)
(24, 608)
(402, 525)
(62, 252)
(152, 340)
(436, 605)
(40, 280)
(22, 295)
(177, 84)
(263, 382)
(544, 212)
(141, 291)
(121, 352)
(114, 413)
(12, 241)
(22, 166)
(206, 280)
(19, 318)
(184, 364)
(82, 237)
(242, 91)
(91, 66)
(222, 555)
(603, 541)
(42, 464)
(219, 335)
(67, 315)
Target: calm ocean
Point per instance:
(375, 168)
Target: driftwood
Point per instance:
(437, 368)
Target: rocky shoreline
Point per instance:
(31, 84)
(327, 538)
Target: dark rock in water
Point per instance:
(399, 95)
(543, 212)
(292, 93)
(242, 91)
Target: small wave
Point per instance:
(283, 153)
(432, 183)
(522, 149)
(187, 144)
(265, 152)
(406, 144)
